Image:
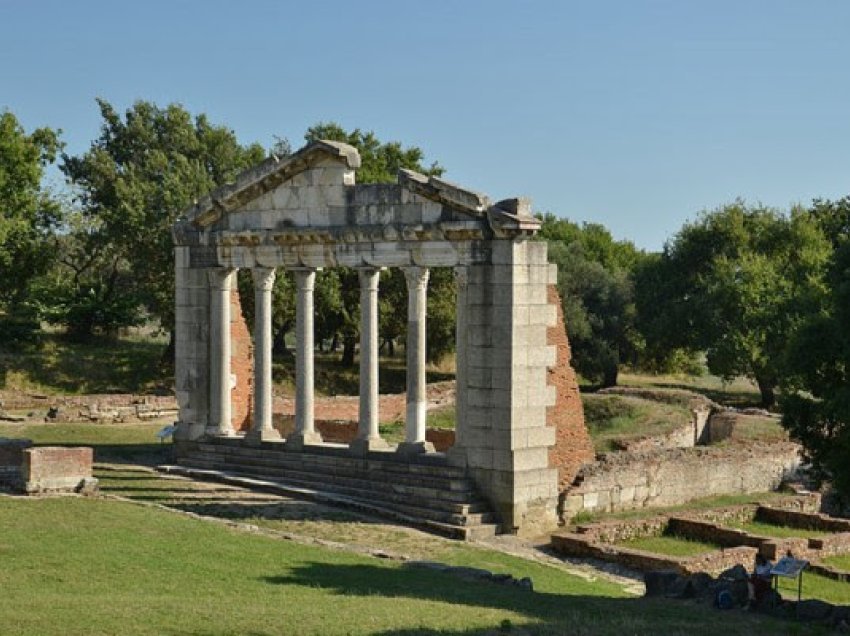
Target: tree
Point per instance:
(380, 163)
(28, 213)
(137, 176)
(596, 295)
(736, 284)
(816, 388)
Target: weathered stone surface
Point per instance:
(55, 468)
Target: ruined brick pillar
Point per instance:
(241, 365)
(573, 446)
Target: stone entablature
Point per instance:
(307, 212)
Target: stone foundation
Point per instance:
(625, 481)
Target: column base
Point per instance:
(363, 445)
(297, 441)
(415, 448)
(215, 431)
(256, 437)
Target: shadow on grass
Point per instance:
(100, 365)
(141, 454)
(548, 613)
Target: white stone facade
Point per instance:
(307, 212)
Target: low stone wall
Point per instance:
(804, 520)
(712, 562)
(56, 468)
(625, 481)
(711, 533)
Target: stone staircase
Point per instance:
(421, 491)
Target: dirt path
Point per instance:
(391, 408)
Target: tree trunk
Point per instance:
(767, 390)
(279, 345)
(168, 354)
(348, 343)
(609, 376)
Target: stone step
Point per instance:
(451, 511)
(433, 465)
(287, 461)
(465, 532)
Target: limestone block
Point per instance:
(536, 477)
(480, 377)
(627, 494)
(553, 274)
(590, 501)
(532, 437)
(487, 398)
(542, 356)
(530, 335)
(479, 457)
(542, 315)
(432, 212)
(523, 458)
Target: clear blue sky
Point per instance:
(636, 114)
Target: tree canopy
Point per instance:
(138, 175)
(736, 283)
(596, 294)
(28, 212)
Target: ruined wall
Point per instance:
(573, 446)
(624, 481)
(241, 364)
(56, 468)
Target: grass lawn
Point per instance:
(670, 546)
(89, 566)
(135, 443)
(613, 420)
(772, 530)
(740, 392)
(706, 503)
(56, 364)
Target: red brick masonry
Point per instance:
(53, 468)
(573, 446)
(241, 365)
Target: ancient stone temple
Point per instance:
(307, 212)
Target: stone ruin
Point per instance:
(519, 426)
(32, 470)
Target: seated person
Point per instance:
(759, 583)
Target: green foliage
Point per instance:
(736, 283)
(338, 292)
(816, 389)
(28, 216)
(137, 176)
(596, 294)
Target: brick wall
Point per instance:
(52, 468)
(241, 365)
(573, 446)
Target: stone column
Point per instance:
(368, 437)
(262, 427)
(456, 453)
(221, 283)
(417, 398)
(305, 429)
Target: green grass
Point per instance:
(840, 561)
(614, 420)
(111, 442)
(760, 528)
(756, 428)
(740, 392)
(87, 566)
(706, 503)
(816, 586)
(57, 364)
(670, 546)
